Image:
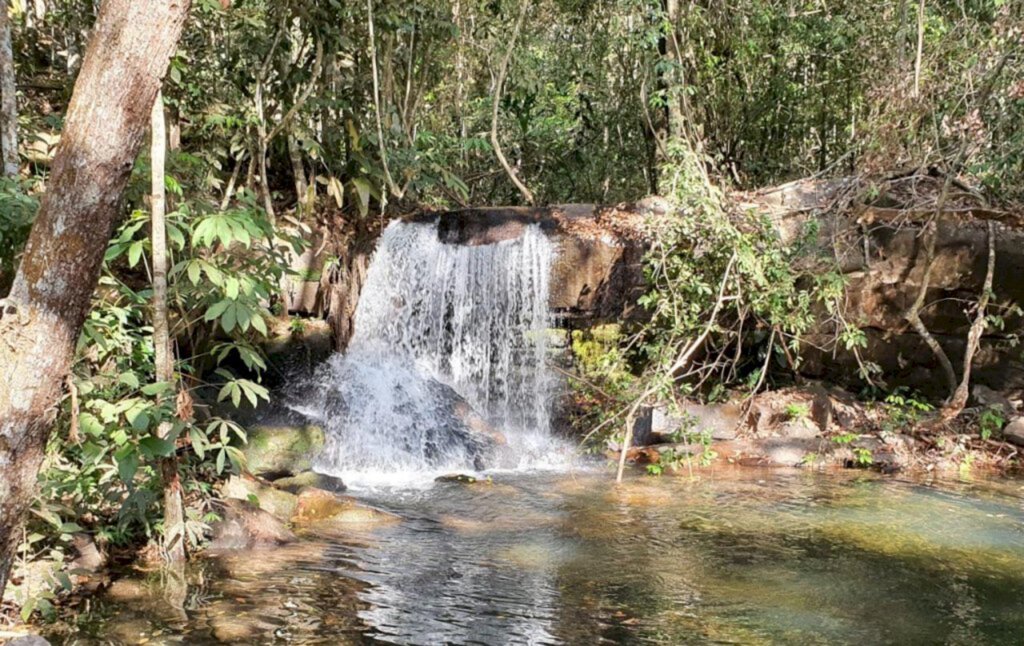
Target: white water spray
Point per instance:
(440, 326)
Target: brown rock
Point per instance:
(246, 526)
(1014, 431)
(322, 511)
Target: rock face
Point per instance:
(878, 250)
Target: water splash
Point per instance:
(440, 329)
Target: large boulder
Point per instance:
(246, 526)
(282, 450)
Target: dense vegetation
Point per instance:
(283, 116)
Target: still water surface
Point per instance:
(734, 556)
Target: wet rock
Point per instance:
(1014, 431)
(295, 484)
(459, 478)
(322, 511)
(268, 498)
(246, 526)
(294, 348)
(28, 640)
(282, 450)
(477, 425)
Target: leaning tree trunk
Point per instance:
(106, 123)
(8, 102)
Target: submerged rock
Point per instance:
(282, 450)
(246, 526)
(322, 511)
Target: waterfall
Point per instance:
(447, 367)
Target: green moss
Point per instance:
(283, 449)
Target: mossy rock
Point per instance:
(323, 512)
(282, 450)
(297, 483)
(281, 504)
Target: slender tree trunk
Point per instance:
(40, 320)
(299, 173)
(174, 513)
(920, 49)
(499, 84)
(8, 98)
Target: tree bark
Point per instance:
(174, 513)
(8, 98)
(40, 320)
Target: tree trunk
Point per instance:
(299, 173)
(174, 514)
(40, 321)
(8, 98)
(499, 84)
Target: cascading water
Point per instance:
(448, 354)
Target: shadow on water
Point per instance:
(733, 557)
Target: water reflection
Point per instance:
(734, 557)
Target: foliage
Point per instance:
(101, 473)
(903, 410)
(991, 422)
(699, 447)
(17, 211)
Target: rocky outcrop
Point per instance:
(878, 249)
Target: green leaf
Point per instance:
(90, 425)
(259, 324)
(363, 189)
(215, 310)
(157, 388)
(129, 379)
(134, 253)
(228, 320)
(155, 447)
(127, 464)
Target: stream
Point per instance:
(731, 556)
